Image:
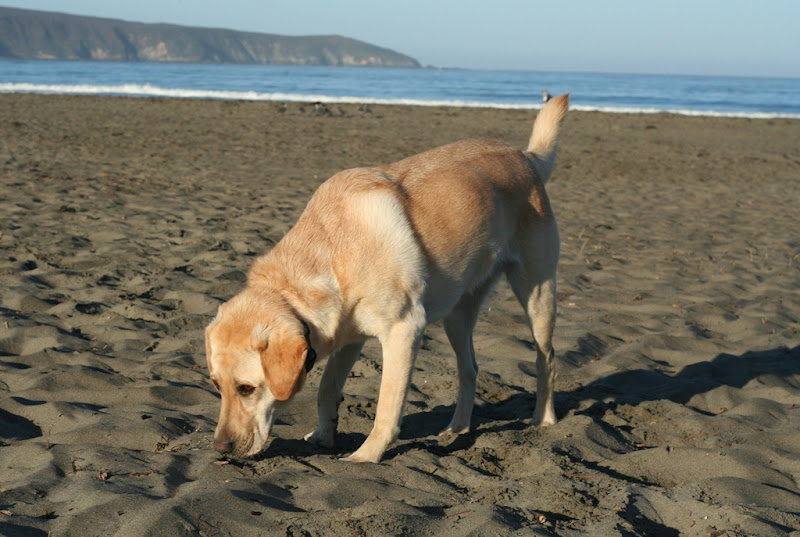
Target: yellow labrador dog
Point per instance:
(381, 252)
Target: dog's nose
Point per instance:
(223, 445)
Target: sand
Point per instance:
(125, 222)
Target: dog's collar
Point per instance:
(311, 355)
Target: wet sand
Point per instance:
(125, 222)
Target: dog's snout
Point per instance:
(223, 445)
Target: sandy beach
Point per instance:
(125, 222)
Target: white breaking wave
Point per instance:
(684, 112)
(148, 90)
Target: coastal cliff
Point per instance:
(32, 35)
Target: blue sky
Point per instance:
(712, 37)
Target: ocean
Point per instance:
(605, 92)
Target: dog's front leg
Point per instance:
(399, 352)
(330, 393)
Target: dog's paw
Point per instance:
(370, 451)
(544, 420)
(320, 438)
(363, 457)
(460, 424)
(454, 430)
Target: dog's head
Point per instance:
(258, 354)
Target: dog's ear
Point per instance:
(211, 325)
(283, 359)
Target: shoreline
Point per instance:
(150, 91)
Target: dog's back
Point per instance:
(468, 201)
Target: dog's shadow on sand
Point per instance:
(636, 386)
(631, 387)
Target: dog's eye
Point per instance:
(245, 389)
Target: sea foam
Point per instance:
(149, 90)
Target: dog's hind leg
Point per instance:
(533, 280)
(458, 326)
(330, 393)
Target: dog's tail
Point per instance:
(543, 144)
